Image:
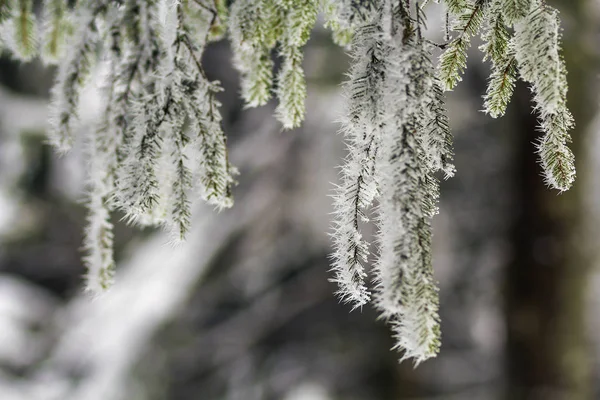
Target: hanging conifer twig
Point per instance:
(159, 143)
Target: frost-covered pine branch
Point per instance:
(161, 118)
(361, 126)
(25, 30)
(407, 293)
(102, 153)
(499, 50)
(531, 50)
(538, 54)
(72, 75)
(438, 141)
(159, 144)
(256, 27)
(299, 19)
(98, 240)
(468, 19)
(388, 160)
(514, 10)
(139, 192)
(56, 27)
(181, 109)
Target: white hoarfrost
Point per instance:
(397, 135)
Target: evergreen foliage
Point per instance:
(159, 143)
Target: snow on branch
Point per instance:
(539, 59)
(159, 144)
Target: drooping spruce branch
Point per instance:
(159, 145)
(499, 50)
(538, 54)
(56, 27)
(73, 73)
(102, 151)
(521, 38)
(407, 293)
(453, 61)
(257, 27)
(393, 153)
(361, 126)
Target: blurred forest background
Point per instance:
(244, 309)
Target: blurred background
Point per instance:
(244, 309)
